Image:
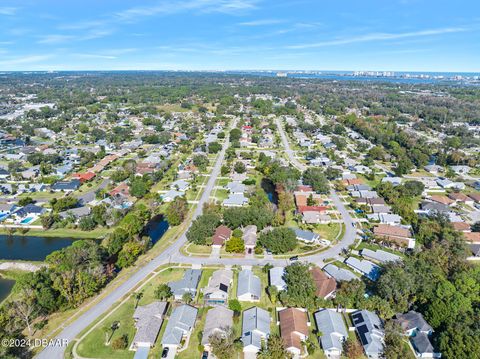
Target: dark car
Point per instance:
(205, 355)
(165, 352)
(294, 258)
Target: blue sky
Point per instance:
(398, 35)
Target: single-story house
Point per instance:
(188, 284)
(364, 267)
(340, 274)
(369, 328)
(66, 186)
(180, 325)
(169, 196)
(255, 329)
(235, 200)
(307, 236)
(148, 321)
(216, 292)
(219, 319)
(326, 286)
(333, 332)
(379, 255)
(250, 238)
(222, 234)
(77, 213)
(401, 236)
(249, 286)
(293, 329)
(276, 278)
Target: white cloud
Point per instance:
(378, 37)
(175, 7)
(8, 10)
(261, 22)
(55, 39)
(30, 59)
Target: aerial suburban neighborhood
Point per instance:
(252, 224)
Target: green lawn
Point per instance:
(93, 345)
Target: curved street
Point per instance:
(172, 254)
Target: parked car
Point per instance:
(205, 355)
(294, 258)
(165, 352)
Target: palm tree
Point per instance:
(137, 296)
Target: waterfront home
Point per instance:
(76, 213)
(333, 332)
(171, 195)
(148, 321)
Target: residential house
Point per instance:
(76, 213)
(7, 209)
(218, 320)
(249, 286)
(326, 286)
(66, 186)
(84, 177)
(216, 292)
(307, 236)
(276, 278)
(416, 327)
(235, 200)
(340, 274)
(250, 238)
(293, 329)
(255, 329)
(364, 267)
(188, 284)
(333, 332)
(401, 236)
(148, 321)
(180, 325)
(222, 234)
(370, 330)
(235, 187)
(379, 255)
(461, 197)
(169, 196)
(442, 200)
(180, 185)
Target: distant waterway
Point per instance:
(269, 188)
(6, 286)
(156, 228)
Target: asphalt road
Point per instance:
(172, 254)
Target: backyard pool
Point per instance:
(26, 220)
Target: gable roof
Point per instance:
(292, 322)
(422, 344)
(248, 283)
(188, 283)
(222, 233)
(330, 324)
(370, 331)
(181, 321)
(148, 320)
(325, 285)
(276, 277)
(413, 320)
(218, 319)
(255, 326)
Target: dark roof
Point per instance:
(422, 344)
(413, 320)
(66, 185)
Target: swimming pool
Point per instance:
(26, 220)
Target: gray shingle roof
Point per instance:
(422, 344)
(248, 283)
(413, 320)
(180, 323)
(255, 326)
(148, 320)
(367, 268)
(370, 331)
(330, 324)
(218, 320)
(188, 284)
(379, 255)
(340, 274)
(276, 277)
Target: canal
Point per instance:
(32, 248)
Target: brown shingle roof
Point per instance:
(325, 285)
(442, 199)
(292, 322)
(222, 233)
(473, 237)
(459, 197)
(388, 230)
(475, 196)
(461, 226)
